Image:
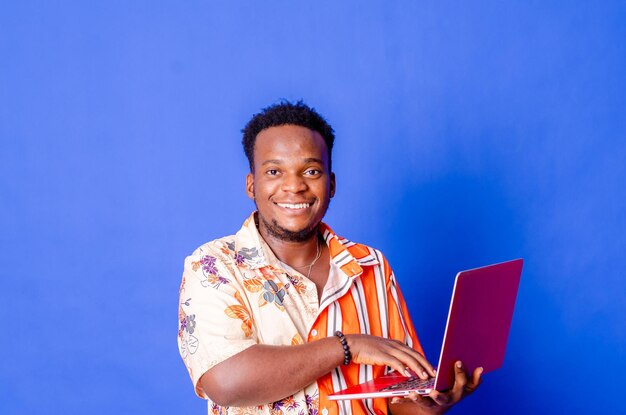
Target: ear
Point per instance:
(332, 185)
(250, 185)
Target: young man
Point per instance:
(277, 317)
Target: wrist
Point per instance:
(347, 355)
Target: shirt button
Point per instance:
(314, 333)
(324, 411)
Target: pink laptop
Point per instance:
(476, 333)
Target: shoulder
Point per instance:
(363, 254)
(218, 247)
(216, 253)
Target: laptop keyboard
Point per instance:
(412, 383)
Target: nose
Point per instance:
(293, 183)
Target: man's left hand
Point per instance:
(438, 402)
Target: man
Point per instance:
(285, 312)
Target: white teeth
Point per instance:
(294, 205)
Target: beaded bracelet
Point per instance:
(347, 356)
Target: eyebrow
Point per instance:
(306, 160)
(271, 161)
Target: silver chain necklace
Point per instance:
(317, 256)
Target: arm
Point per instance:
(264, 373)
(219, 343)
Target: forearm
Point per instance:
(262, 373)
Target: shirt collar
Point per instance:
(250, 247)
(347, 255)
(255, 253)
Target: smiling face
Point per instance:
(291, 184)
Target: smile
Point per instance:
(294, 206)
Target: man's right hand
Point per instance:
(373, 350)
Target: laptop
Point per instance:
(477, 330)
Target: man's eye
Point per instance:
(312, 172)
(272, 172)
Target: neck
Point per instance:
(294, 254)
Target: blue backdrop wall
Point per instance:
(468, 133)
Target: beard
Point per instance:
(278, 232)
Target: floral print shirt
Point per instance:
(235, 293)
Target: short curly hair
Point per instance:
(286, 113)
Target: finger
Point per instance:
(380, 351)
(421, 360)
(475, 381)
(371, 350)
(390, 354)
(477, 376)
(413, 396)
(441, 399)
(420, 399)
(410, 363)
(401, 399)
(414, 360)
(460, 381)
(396, 364)
(417, 399)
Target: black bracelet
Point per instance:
(347, 356)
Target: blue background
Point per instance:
(468, 133)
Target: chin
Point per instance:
(291, 234)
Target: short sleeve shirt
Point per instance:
(235, 293)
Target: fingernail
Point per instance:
(435, 371)
(459, 364)
(480, 370)
(424, 374)
(407, 373)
